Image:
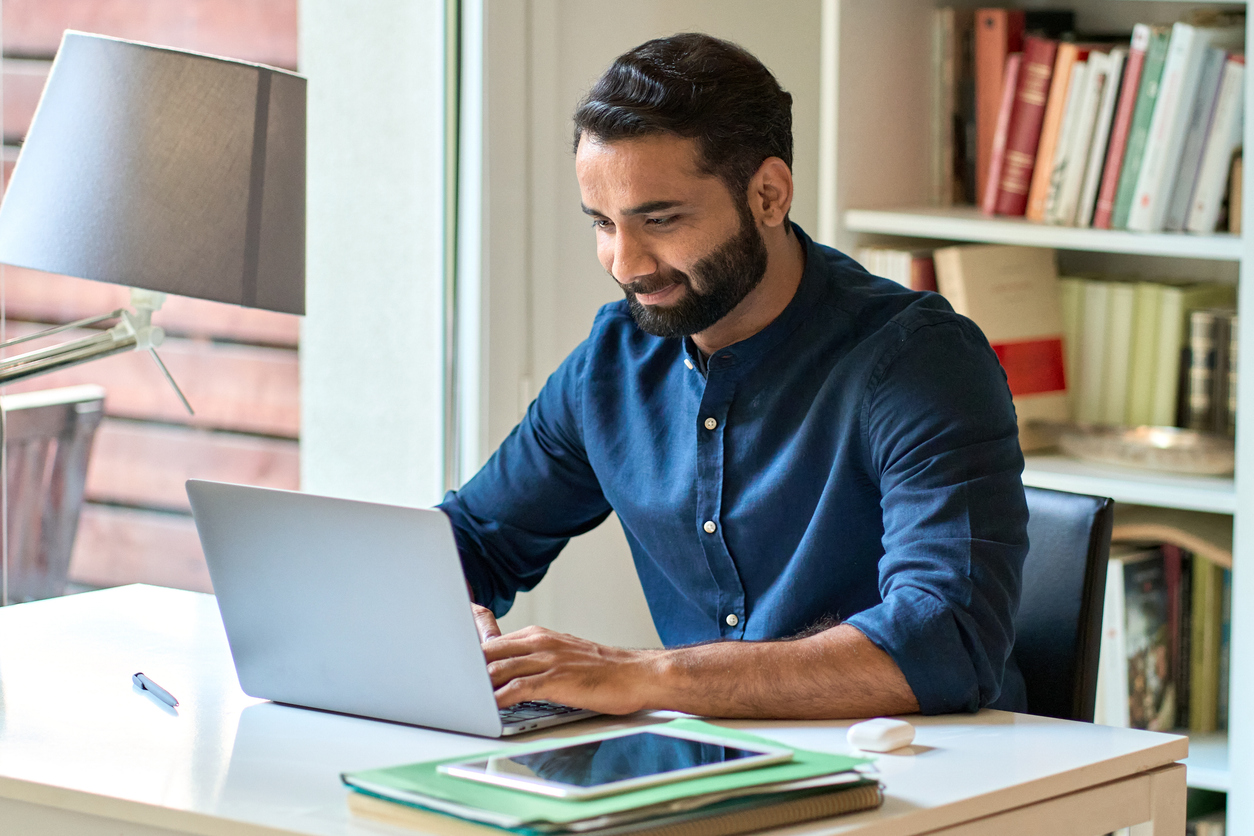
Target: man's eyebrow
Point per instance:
(642, 209)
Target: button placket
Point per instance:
(711, 426)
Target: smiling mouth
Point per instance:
(660, 296)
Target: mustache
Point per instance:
(654, 283)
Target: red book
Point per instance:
(1025, 125)
(992, 178)
(1120, 128)
(998, 33)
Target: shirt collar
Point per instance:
(779, 328)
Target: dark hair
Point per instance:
(697, 87)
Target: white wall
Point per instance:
(531, 279)
(372, 342)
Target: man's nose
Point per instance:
(631, 259)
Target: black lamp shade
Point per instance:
(165, 170)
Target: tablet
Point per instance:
(615, 762)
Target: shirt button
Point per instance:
(710, 423)
(732, 620)
(710, 527)
(688, 363)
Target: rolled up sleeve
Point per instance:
(940, 434)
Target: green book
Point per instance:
(1138, 133)
(1207, 618)
(1145, 327)
(423, 786)
(1071, 291)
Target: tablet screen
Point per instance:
(600, 762)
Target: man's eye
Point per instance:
(601, 223)
(660, 221)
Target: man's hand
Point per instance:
(539, 664)
(837, 673)
(485, 623)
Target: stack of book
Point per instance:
(812, 785)
(1151, 352)
(1139, 135)
(1164, 652)
(912, 268)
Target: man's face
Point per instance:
(684, 251)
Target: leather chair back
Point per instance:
(1059, 624)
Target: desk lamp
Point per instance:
(164, 170)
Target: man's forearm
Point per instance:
(838, 673)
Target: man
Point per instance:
(817, 470)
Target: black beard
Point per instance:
(728, 275)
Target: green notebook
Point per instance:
(421, 785)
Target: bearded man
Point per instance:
(817, 470)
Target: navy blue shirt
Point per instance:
(857, 460)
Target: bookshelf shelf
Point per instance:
(1137, 487)
(1207, 763)
(966, 223)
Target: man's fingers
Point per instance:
(486, 624)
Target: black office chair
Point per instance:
(1059, 626)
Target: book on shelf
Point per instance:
(953, 99)
(1126, 348)
(1120, 126)
(1091, 352)
(1013, 294)
(1065, 60)
(1198, 123)
(1074, 137)
(1120, 313)
(1213, 823)
(1161, 655)
(1222, 140)
(909, 268)
(1035, 77)
(1178, 90)
(1205, 631)
(1234, 196)
(1001, 133)
(1138, 129)
(998, 35)
(1210, 371)
(1145, 329)
(1096, 154)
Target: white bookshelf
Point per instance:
(966, 223)
(1207, 763)
(874, 180)
(1136, 487)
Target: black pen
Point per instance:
(155, 689)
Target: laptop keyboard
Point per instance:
(534, 710)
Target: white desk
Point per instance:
(82, 752)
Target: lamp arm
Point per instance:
(135, 331)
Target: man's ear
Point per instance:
(770, 192)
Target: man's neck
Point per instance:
(785, 262)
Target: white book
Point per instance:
(1111, 708)
(1091, 367)
(1101, 137)
(1097, 77)
(1222, 140)
(1120, 313)
(1176, 91)
(1194, 138)
(1066, 129)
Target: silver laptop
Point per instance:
(351, 607)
